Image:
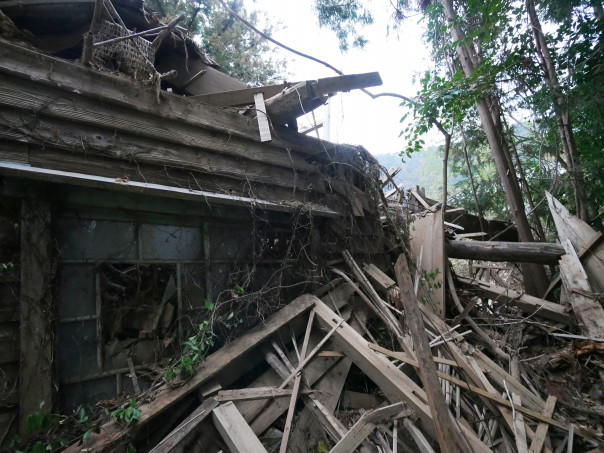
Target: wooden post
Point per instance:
(37, 311)
(449, 436)
(94, 28)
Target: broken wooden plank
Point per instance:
(255, 393)
(294, 102)
(519, 427)
(331, 85)
(586, 240)
(381, 311)
(395, 384)
(113, 432)
(334, 354)
(330, 423)
(468, 364)
(420, 199)
(587, 310)
(178, 434)
(306, 96)
(308, 431)
(525, 302)
(594, 240)
(234, 430)
(133, 376)
(310, 355)
(294, 397)
(419, 438)
(378, 276)
(364, 426)
(263, 126)
(240, 97)
(479, 391)
(541, 431)
(449, 437)
(453, 225)
(427, 232)
(326, 375)
(521, 252)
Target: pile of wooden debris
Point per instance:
(422, 356)
(369, 364)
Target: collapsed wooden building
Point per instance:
(184, 270)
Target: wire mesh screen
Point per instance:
(133, 56)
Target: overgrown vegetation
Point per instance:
(239, 51)
(544, 95)
(54, 432)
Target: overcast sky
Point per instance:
(398, 56)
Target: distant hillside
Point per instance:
(422, 169)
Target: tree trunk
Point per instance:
(535, 277)
(525, 185)
(562, 114)
(515, 252)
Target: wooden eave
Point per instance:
(115, 184)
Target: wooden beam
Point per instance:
(330, 85)
(112, 432)
(526, 303)
(308, 429)
(255, 393)
(312, 353)
(294, 102)
(522, 252)
(37, 338)
(240, 97)
(449, 437)
(234, 430)
(364, 426)
(306, 96)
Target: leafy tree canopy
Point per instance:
(508, 67)
(239, 51)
